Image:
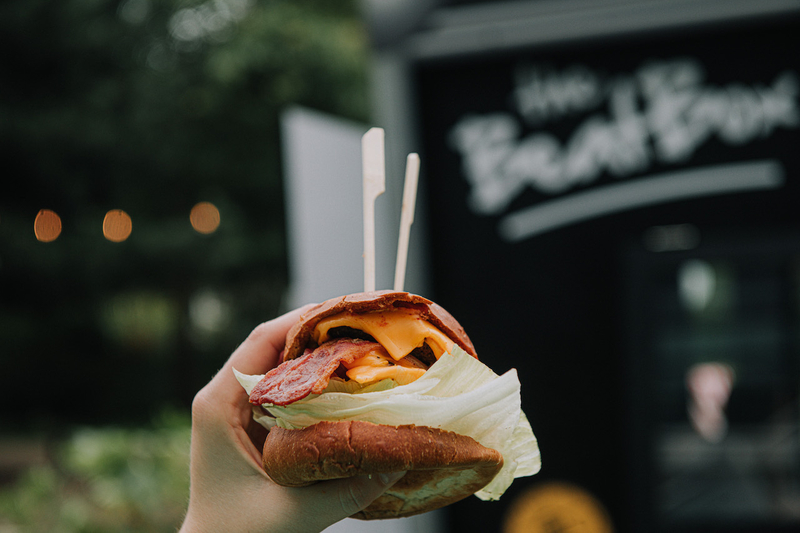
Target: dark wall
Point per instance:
(675, 141)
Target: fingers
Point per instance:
(336, 500)
(259, 352)
(363, 490)
(222, 405)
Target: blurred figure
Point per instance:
(710, 386)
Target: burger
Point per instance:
(389, 381)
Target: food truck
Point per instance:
(610, 203)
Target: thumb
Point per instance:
(341, 498)
(360, 491)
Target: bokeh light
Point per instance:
(204, 217)
(47, 225)
(117, 225)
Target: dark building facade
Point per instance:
(611, 195)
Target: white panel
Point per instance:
(322, 162)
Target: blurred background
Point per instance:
(145, 109)
(616, 180)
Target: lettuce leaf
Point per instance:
(458, 393)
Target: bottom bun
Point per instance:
(442, 467)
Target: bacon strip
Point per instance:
(308, 374)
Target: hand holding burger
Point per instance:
(229, 489)
(385, 381)
(379, 408)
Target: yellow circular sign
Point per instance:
(556, 508)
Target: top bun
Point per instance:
(366, 302)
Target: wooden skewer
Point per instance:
(374, 184)
(406, 219)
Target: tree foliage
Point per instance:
(150, 106)
(109, 479)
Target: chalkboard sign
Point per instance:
(567, 186)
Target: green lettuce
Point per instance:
(458, 393)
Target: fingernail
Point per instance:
(390, 478)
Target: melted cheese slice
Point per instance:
(403, 375)
(379, 358)
(377, 365)
(399, 331)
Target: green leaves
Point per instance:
(106, 480)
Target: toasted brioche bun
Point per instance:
(442, 467)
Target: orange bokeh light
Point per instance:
(204, 217)
(47, 225)
(117, 225)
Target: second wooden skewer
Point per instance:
(406, 219)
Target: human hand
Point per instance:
(229, 489)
